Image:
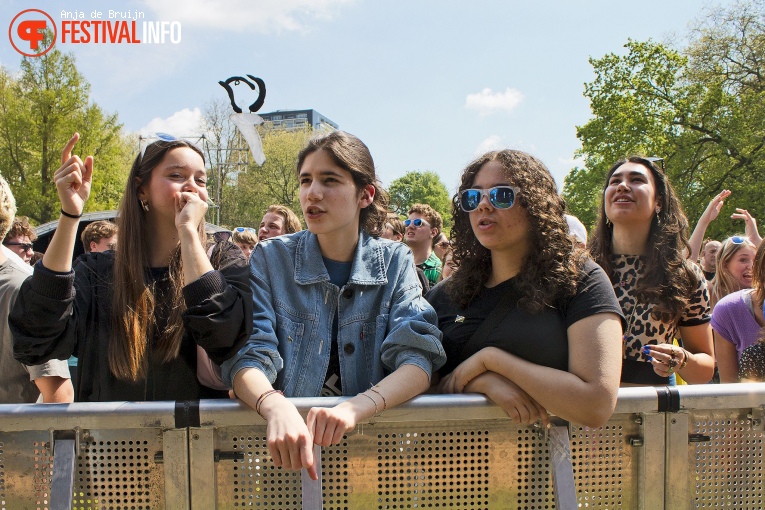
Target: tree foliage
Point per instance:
(423, 188)
(248, 196)
(701, 108)
(40, 108)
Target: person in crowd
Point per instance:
(556, 343)
(393, 230)
(38, 255)
(640, 242)
(708, 259)
(135, 317)
(372, 336)
(577, 230)
(20, 383)
(245, 238)
(423, 225)
(733, 268)
(752, 365)
(277, 221)
(707, 217)
(449, 265)
(441, 246)
(20, 237)
(737, 320)
(99, 236)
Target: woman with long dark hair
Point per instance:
(556, 343)
(639, 241)
(136, 316)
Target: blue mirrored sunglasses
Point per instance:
(417, 222)
(245, 229)
(737, 239)
(501, 197)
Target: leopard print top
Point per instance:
(642, 329)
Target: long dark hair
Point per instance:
(667, 278)
(133, 320)
(350, 153)
(553, 265)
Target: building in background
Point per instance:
(298, 119)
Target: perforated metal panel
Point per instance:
(604, 472)
(727, 472)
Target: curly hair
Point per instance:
(667, 278)
(96, 231)
(7, 207)
(20, 226)
(551, 269)
(351, 154)
(431, 216)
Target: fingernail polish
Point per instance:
(649, 358)
(646, 349)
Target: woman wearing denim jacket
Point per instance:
(337, 310)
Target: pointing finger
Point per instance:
(67, 152)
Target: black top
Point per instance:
(539, 338)
(60, 314)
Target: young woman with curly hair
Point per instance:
(639, 241)
(557, 347)
(337, 310)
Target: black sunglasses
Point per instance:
(501, 197)
(657, 161)
(24, 246)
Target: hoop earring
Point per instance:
(145, 205)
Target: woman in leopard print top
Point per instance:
(639, 242)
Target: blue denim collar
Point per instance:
(368, 261)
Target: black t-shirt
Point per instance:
(539, 338)
(709, 275)
(339, 273)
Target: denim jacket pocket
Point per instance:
(290, 335)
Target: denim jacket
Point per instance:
(384, 322)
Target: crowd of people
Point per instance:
(515, 302)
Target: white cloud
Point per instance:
(184, 123)
(487, 102)
(261, 16)
(492, 143)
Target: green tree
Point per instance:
(700, 107)
(274, 183)
(40, 108)
(423, 188)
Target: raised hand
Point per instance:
(750, 225)
(714, 206)
(73, 179)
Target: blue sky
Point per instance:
(427, 85)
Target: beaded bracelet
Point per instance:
(262, 397)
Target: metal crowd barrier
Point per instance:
(664, 448)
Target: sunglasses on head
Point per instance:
(501, 197)
(737, 239)
(657, 161)
(245, 229)
(416, 222)
(163, 137)
(24, 246)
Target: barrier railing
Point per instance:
(671, 448)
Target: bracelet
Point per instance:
(685, 359)
(73, 216)
(373, 401)
(262, 397)
(385, 404)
